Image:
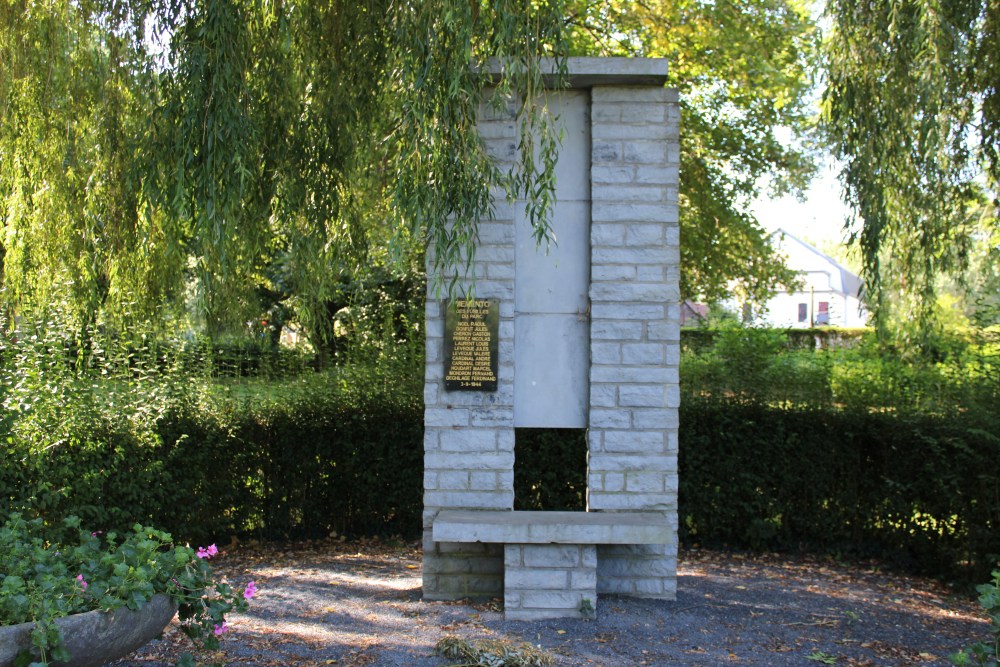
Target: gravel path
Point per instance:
(349, 604)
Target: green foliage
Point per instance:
(550, 469)
(50, 572)
(193, 155)
(115, 433)
(912, 111)
(844, 450)
(985, 654)
(744, 71)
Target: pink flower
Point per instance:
(219, 629)
(250, 590)
(83, 583)
(207, 553)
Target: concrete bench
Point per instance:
(550, 558)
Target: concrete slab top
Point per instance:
(506, 527)
(586, 72)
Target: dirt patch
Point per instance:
(359, 603)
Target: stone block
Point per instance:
(669, 331)
(603, 396)
(644, 482)
(633, 462)
(605, 353)
(630, 256)
(584, 579)
(612, 419)
(646, 152)
(641, 396)
(446, 417)
(656, 292)
(649, 132)
(629, 374)
(613, 175)
(605, 151)
(633, 502)
(536, 555)
(607, 234)
(601, 95)
(430, 480)
(655, 419)
(616, 211)
(469, 440)
(455, 480)
(643, 354)
(541, 600)
(431, 394)
(612, 310)
(614, 330)
(633, 442)
(657, 175)
(526, 578)
(644, 234)
(612, 272)
(645, 114)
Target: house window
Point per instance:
(823, 316)
(803, 312)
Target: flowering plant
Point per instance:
(41, 581)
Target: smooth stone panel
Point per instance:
(552, 527)
(551, 371)
(557, 279)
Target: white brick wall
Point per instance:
(634, 350)
(469, 436)
(634, 333)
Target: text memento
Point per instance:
(471, 344)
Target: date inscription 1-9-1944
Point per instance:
(471, 328)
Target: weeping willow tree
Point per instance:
(913, 111)
(181, 155)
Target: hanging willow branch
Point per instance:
(186, 152)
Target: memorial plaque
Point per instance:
(471, 344)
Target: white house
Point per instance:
(829, 294)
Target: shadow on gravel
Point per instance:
(359, 604)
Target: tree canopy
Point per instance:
(210, 157)
(745, 70)
(913, 112)
(191, 151)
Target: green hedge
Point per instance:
(843, 451)
(919, 491)
(317, 460)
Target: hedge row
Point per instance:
(301, 468)
(922, 492)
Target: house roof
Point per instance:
(851, 283)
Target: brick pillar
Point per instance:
(635, 329)
(469, 435)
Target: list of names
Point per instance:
(470, 346)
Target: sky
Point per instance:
(819, 218)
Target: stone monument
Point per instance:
(585, 336)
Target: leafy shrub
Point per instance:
(47, 576)
(985, 654)
(125, 435)
(550, 469)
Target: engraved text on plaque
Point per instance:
(470, 345)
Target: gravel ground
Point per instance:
(358, 603)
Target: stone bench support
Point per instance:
(550, 558)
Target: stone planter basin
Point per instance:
(95, 637)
